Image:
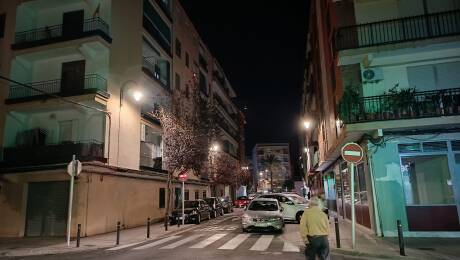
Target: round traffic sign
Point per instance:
(70, 169)
(183, 176)
(352, 152)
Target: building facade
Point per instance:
(272, 166)
(83, 80)
(385, 74)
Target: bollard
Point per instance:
(148, 227)
(78, 234)
(118, 232)
(400, 238)
(337, 232)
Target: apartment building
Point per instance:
(93, 80)
(196, 69)
(385, 74)
(272, 166)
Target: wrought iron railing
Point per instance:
(57, 31)
(434, 103)
(90, 82)
(152, 65)
(29, 155)
(398, 30)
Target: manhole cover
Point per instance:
(426, 248)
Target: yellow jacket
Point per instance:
(314, 222)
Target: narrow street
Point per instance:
(220, 238)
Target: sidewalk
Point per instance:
(40, 246)
(369, 246)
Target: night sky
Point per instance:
(261, 47)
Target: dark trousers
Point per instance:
(318, 247)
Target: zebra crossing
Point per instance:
(200, 241)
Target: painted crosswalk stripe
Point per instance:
(156, 243)
(236, 218)
(124, 246)
(262, 243)
(235, 242)
(181, 242)
(289, 247)
(209, 240)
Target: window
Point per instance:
(177, 197)
(187, 91)
(204, 194)
(156, 27)
(162, 197)
(2, 25)
(197, 194)
(177, 84)
(187, 60)
(178, 48)
(427, 180)
(202, 83)
(66, 131)
(186, 194)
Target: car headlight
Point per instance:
(194, 212)
(246, 218)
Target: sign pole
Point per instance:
(353, 216)
(69, 212)
(183, 198)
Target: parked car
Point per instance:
(292, 204)
(263, 213)
(215, 206)
(227, 204)
(241, 202)
(194, 210)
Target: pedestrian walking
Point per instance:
(314, 229)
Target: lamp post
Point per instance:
(307, 124)
(214, 149)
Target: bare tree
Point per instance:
(271, 162)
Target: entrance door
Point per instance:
(73, 77)
(72, 23)
(47, 204)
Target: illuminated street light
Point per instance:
(306, 124)
(215, 147)
(137, 95)
(305, 150)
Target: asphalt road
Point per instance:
(221, 238)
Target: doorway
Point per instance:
(72, 23)
(47, 208)
(73, 77)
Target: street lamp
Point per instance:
(306, 124)
(138, 95)
(215, 147)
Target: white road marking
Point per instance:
(289, 247)
(235, 242)
(352, 153)
(181, 242)
(209, 240)
(236, 218)
(262, 243)
(124, 246)
(156, 243)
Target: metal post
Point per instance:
(353, 216)
(118, 232)
(183, 198)
(400, 238)
(337, 232)
(148, 227)
(78, 234)
(69, 210)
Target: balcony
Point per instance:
(62, 32)
(398, 30)
(404, 105)
(89, 84)
(152, 66)
(34, 155)
(203, 62)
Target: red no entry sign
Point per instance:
(183, 176)
(352, 153)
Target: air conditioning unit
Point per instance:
(371, 75)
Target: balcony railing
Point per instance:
(398, 30)
(90, 150)
(445, 102)
(55, 33)
(151, 66)
(89, 84)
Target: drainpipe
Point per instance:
(378, 224)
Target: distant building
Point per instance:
(280, 170)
